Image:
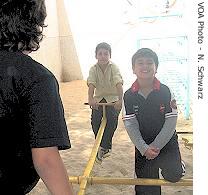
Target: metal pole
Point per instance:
(91, 160)
(130, 181)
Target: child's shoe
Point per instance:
(183, 168)
(107, 153)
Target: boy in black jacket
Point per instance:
(150, 117)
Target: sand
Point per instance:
(120, 163)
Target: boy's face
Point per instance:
(103, 56)
(144, 68)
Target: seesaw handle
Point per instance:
(102, 104)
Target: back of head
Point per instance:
(21, 24)
(103, 45)
(147, 53)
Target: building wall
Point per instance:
(70, 64)
(57, 51)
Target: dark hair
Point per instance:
(103, 45)
(145, 52)
(21, 24)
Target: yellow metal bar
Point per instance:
(139, 181)
(91, 160)
(130, 181)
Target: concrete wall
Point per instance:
(70, 64)
(57, 51)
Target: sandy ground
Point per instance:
(120, 163)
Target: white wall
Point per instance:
(57, 50)
(49, 52)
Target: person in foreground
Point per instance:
(33, 128)
(105, 84)
(150, 116)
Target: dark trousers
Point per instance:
(169, 161)
(112, 123)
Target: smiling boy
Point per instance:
(105, 84)
(150, 117)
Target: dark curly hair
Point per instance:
(21, 24)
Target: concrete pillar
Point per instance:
(57, 50)
(70, 64)
(49, 52)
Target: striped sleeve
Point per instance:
(169, 126)
(166, 133)
(171, 107)
(132, 127)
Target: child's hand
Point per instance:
(118, 105)
(93, 104)
(151, 153)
